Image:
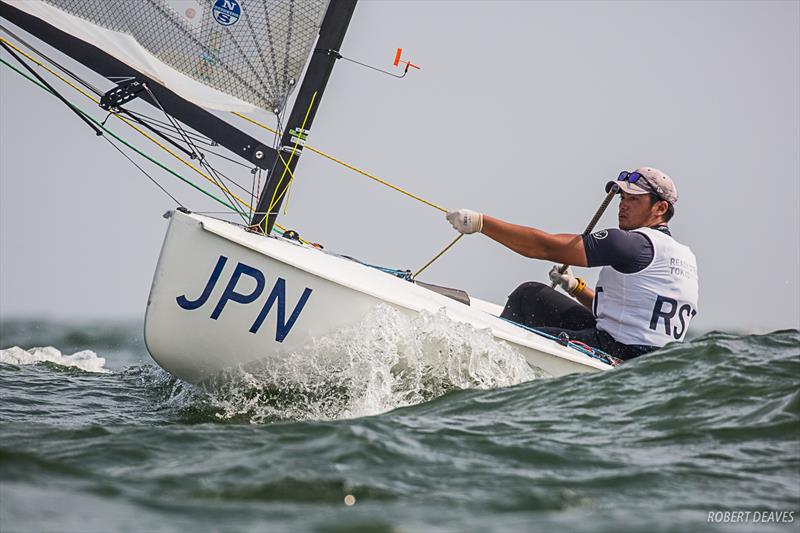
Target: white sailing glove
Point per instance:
(466, 221)
(566, 281)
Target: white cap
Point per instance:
(662, 185)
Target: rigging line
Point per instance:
(291, 174)
(166, 126)
(289, 189)
(52, 62)
(221, 156)
(255, 187)
(291, 156)
(350, 167)
(276, 139)
(155, 131)
(173, 121)
(234, 182)
(50, 87)
(127, 122)
(143, 171)
(120, 139)
(196, 153)
(252, 191)
(219, 182)
(258, 188)
(216, 174)
(440, 254)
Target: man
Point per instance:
(646, 294)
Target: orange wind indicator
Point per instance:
(398, 61)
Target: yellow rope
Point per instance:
(440, 254)
(368, 175)
(348, 166)
(291, 156)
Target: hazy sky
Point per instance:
(521, 110)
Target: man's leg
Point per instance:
(536, 305)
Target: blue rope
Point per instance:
(595, 353)
(404, 274)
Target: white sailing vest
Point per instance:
(652, 306)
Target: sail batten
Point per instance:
(210, 52)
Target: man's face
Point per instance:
(635, 211)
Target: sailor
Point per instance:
(647, 290)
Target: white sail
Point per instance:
(231, 55)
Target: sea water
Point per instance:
(396, 425)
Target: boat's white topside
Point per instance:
(391, 289)
(207, 313)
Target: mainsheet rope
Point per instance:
(349, 166)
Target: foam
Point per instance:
(388, 360)
(86, 360)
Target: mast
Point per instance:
(192, 115)
(326, 52)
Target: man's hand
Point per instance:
(567, 281)
(466, 221)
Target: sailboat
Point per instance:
(226, 295)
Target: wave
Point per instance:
(388, 360)
(85, 360)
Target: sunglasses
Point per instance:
(639, 180)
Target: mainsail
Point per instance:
(231, 55)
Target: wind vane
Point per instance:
(398, 61)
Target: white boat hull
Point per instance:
(223, 297)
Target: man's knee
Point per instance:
(529, 288)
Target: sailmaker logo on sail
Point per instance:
(227, 12)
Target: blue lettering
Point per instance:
(279, 293)
(659, 313)
(223, 18)
(212, 281)
(230, 292)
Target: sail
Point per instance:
(232, 55)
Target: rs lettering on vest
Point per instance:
(665, 311)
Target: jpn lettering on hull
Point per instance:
(233, 293)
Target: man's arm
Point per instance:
(586, 298)
(564, 248)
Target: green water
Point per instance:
(655, 445)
